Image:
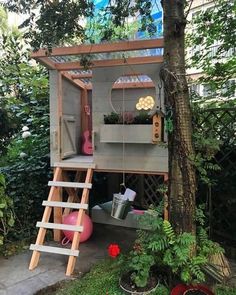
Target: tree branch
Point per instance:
(190, 5)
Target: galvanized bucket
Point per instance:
(120, 207)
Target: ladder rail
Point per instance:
(55, 202)
(46, 215)
(76, 238)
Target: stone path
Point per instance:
(16, 279)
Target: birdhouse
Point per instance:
(158, 127)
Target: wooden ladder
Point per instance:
(60, 181)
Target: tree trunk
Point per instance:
(182, 178)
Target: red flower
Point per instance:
(113, 250)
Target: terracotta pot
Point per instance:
(182, 289)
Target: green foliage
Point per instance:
(183, 253)
(57, 23)
(102, 279)
(213, 38)
(27, 175)
(224, 290)
(141, 263)
(6, 211)
(143, 117)
(112, 118)
(25, 162)
(206, 144)
(95, 29)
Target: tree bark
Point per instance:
(182, 177)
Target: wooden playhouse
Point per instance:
(88, 82)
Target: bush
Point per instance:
(6, 211)
(26, 165)
(24, 99)
(27, 179)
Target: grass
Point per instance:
(223, 290)
(103, 279)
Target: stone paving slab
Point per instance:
(16, 279)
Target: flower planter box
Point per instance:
(127, 133)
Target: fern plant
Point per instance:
(157, 243)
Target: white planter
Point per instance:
(126, 133)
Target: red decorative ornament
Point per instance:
(113, 250)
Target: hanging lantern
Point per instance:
(145, 103)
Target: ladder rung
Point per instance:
(70, 184)
(79, 165)
(60, 226)
(65, 205)
(55, 250)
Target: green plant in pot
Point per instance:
(188, 255)
(140, 276)
(143, 117)
(112, 118)
(158, 247)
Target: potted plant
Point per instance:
(141, 278)
(191, 270)
(144, 268)
(182, 289)
(158, 247)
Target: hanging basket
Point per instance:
(120, 207)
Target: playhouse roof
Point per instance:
(76, 63)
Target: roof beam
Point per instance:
(133, 85)
(76, 83)
(81, 76)
(89, 75)
(100, 48)
(67, 66)
(45, 61)
(127, 85)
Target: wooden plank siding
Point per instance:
(141, 157)
(109, 156)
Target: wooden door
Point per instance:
(68, 136)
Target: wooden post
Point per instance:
(166, 213)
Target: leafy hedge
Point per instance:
(24, 100)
